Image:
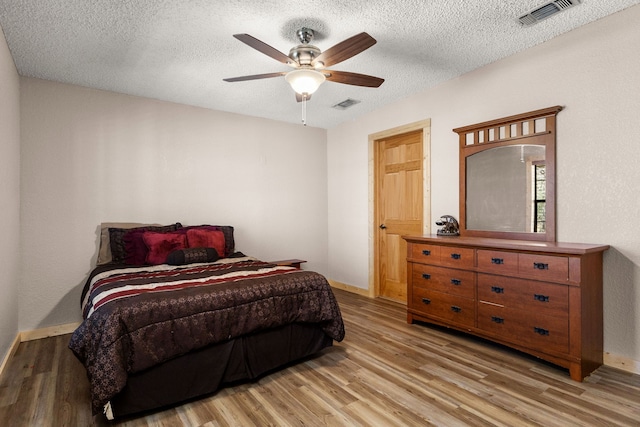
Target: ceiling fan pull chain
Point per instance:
(304, 109)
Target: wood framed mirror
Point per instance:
(507, 177)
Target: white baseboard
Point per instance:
(51, 331)
(10, 353)
(623, 363)
(349, 288)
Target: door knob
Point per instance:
(382, 226)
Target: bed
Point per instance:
(191, 319)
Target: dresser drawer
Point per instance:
(447, 307)
(425, 253)
(447, 280)
(498, 262)
(525, 295)
(451, 256)
(528, 329)
(544, 267)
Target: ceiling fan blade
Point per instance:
(266, 49)
(353, 78)
(345, 49)
(299, 97)
(255, 77)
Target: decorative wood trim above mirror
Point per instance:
(505, 198)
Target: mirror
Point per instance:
(506, 189)
(507, 177)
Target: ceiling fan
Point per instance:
(310, 63)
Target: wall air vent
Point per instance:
(547, 10)
(345, 104)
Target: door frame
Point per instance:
(374, 214)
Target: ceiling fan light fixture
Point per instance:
(305, 80)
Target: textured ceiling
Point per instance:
(180, 51)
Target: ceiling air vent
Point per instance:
(547, 10)
(345, 104)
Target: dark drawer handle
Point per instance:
(456, 309)
(497, 319)
(455, 282)
(426, 252)
(540, 331)
(426, 300)
(456, 256)
(497, 290)
(541, 298)
(497, 261)
(540, 266)
(426, 276)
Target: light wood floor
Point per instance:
(384, 373)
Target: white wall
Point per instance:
(594, 72)
(9, 198)
(90, 156)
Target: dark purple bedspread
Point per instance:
(138, 317)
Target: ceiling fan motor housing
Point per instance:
(304, 54)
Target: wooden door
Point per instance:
(399, 208)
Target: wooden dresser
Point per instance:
(541, 298)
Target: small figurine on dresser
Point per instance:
(449, 226)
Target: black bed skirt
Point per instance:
(204, 371)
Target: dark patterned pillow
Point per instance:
(118, 245)
(229, 243)
(135, 249)
(192, 255)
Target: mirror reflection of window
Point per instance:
(539, 201)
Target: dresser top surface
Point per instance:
(519, 245)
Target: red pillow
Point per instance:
(206, 238)
(160, 245)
